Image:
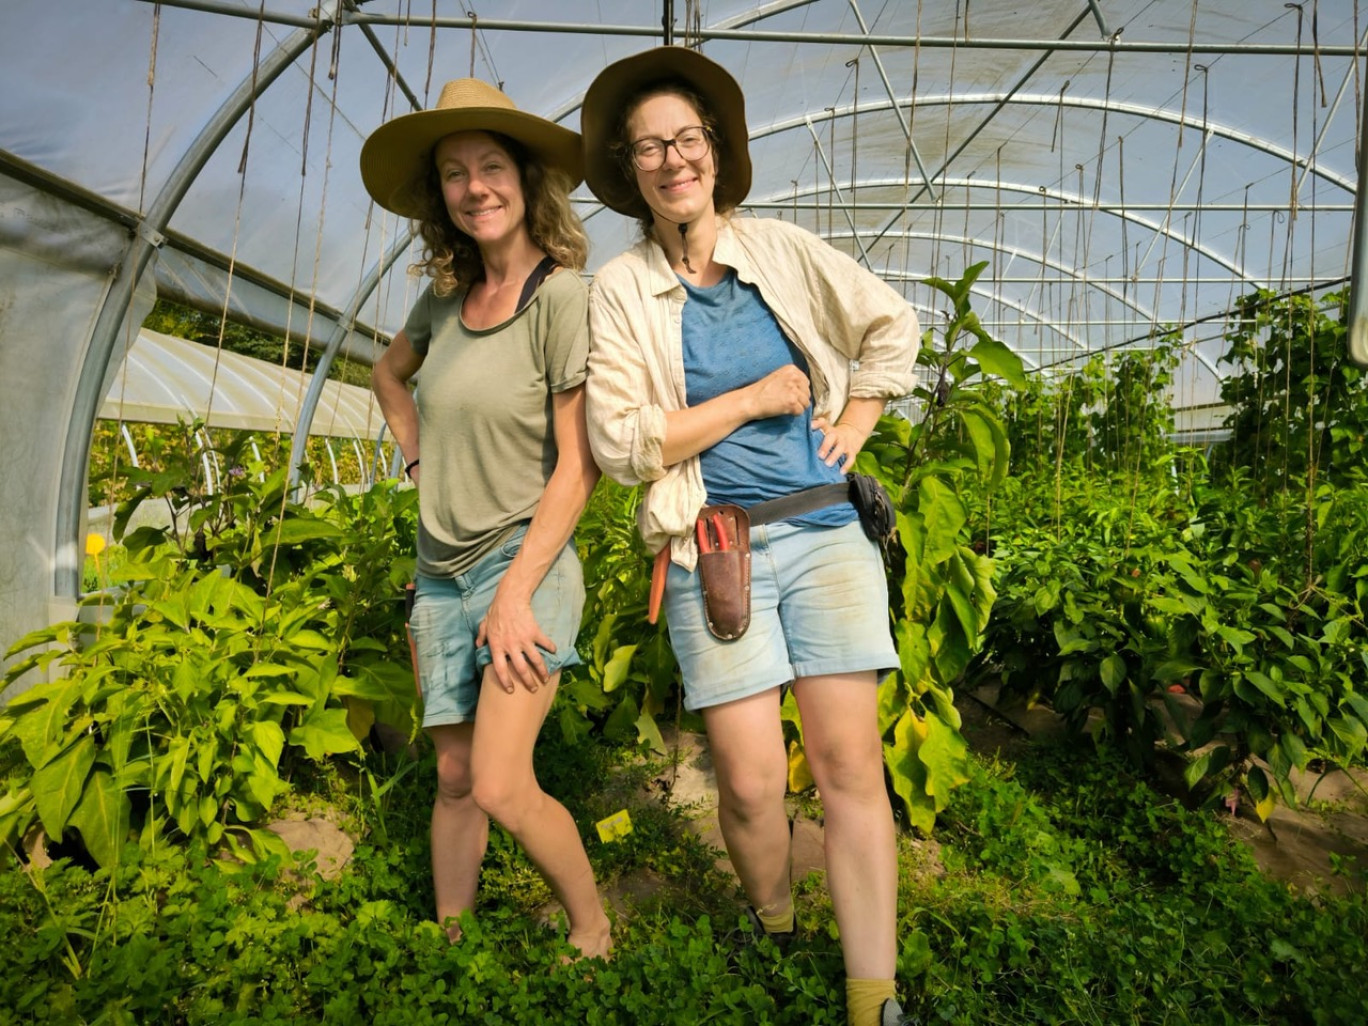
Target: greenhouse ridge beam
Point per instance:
(747, 18)
(109, 322)
(759, 35)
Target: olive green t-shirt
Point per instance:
(485, 420)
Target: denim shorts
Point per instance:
(446, 618)
(819, 605)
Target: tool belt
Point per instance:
(723, 536)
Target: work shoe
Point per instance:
(782, 940)
(892, 1015)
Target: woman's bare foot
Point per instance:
(595, 941)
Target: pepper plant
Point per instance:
(250, 634)
(940, 585)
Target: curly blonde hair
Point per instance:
(450, 256)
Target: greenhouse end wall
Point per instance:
(56, 265)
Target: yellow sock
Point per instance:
(865, 1000)
(777, 918)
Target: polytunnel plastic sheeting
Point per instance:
(163, 379)
(53, 273)
(1113, 191)
(1122, 166)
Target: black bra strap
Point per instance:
(539, 274)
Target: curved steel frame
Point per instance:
(109, 320)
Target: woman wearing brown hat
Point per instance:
(505, 469)
(720, 373)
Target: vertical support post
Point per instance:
(1358, 287)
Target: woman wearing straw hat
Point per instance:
(504, 472)
(720, 373)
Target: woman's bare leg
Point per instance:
(460, 829)
(506, 788)
(746, 742)
(844, 750)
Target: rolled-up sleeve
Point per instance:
(867, 321)
(626, 432)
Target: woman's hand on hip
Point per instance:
(515, 642)
(841, 443)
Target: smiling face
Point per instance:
(481, 187)
(679, 191)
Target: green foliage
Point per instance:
(1298, 404)
(212, 329)
(941, 587)
(1069, 893)
(1189, 621)
(1076, 894)
(248, 638)
(629, 675)
(113, 479)
(1133, 417)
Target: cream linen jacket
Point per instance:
(832, 309)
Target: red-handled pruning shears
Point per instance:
(723, 542)
(705, 537)
(701, 530)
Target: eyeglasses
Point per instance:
(649, 154)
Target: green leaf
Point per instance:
(39, 728)
(101, 817)
(1267, 685)
(996, 358)
(324, 733)
(945, 754)
(286, 698)
(295, 529)
(914, 651)
(1113, 672)
(180, 754)
(312, 640)
(269, 738)
(57, 786)
(1351, 732)
(1195, 770)
(1359, 704)
(980, 429)
(16, 814)
(370, 687)
(621, 719)
(943, 516)
(908, 773)
(615, 670)
(648, 732)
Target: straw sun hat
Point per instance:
(398, 154)
(618, 82)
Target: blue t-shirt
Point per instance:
(731, 340)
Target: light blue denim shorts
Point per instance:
(819, 605)
(446, 618)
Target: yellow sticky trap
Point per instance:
(615, 827)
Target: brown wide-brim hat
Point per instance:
(617, 83)
(398, 155)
